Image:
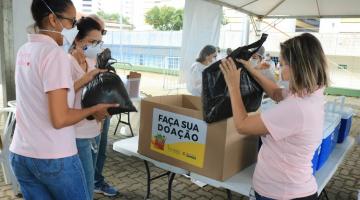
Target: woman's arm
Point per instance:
(78, 84)
(273, 90)
(61, 115)
(245, 124)
(89, 76)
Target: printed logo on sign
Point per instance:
(179, 136)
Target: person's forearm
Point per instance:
(268, 85)
(78, 84)
(73, 116)
(238, 109)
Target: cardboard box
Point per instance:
(172, 131)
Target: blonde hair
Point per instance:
(307, 62)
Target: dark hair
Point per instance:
(40, 10)
(206, 51)
(85, 25)
(307, 63)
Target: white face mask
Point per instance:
(66, 47)
(68, 34)
(92, 51)
(283, 83)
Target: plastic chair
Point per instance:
(6, 138)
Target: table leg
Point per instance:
(171, 179)
(129, 124)
(169, 174)
(148, 180)
(229, 194)
(324, 193)
(117, 125)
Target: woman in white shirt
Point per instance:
(194, 81)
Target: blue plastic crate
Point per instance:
(345, 125)
(333, 120)
(315, 159)
(346, 113)
(327, 141)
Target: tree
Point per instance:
(113, 17)
(165, 18)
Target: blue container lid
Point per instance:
(337, 106)
(331, 121)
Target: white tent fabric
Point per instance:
(295, 8)
(201, 27)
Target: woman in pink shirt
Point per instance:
(44, 154)
(291, 130)
(84, 50)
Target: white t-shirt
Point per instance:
(194, 80)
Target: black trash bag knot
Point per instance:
(107, 87)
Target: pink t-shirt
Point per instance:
(41, 66)
(85, 128)
(284, 167)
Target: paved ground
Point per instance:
(128, 174)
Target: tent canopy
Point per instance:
(295, 8)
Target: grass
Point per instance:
(342, 91)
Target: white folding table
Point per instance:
(129, 147)
(240, 182)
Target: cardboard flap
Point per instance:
(185, 104)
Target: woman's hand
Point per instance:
(247, 64)
(89, 76)
(231, 74)
(101, 111)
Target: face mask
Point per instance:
(68, 34)
(213, 60)
(254, 62)
(66, 47)
(283, 83)
(92, 51)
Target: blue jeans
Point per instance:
(47, 179)
(101, 155)
(310, 197)
(87, 149)
(259, 197)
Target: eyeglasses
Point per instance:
(103, 32)
(95, 43)
(73, 20)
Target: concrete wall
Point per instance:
(15, 16)
(22, 19)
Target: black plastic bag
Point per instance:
(215, 95)
(107, 87)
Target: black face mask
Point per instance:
(107, 87)
(215, 95)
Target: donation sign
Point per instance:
(179, 136)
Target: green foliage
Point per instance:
(165, 18)
(113, 17)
